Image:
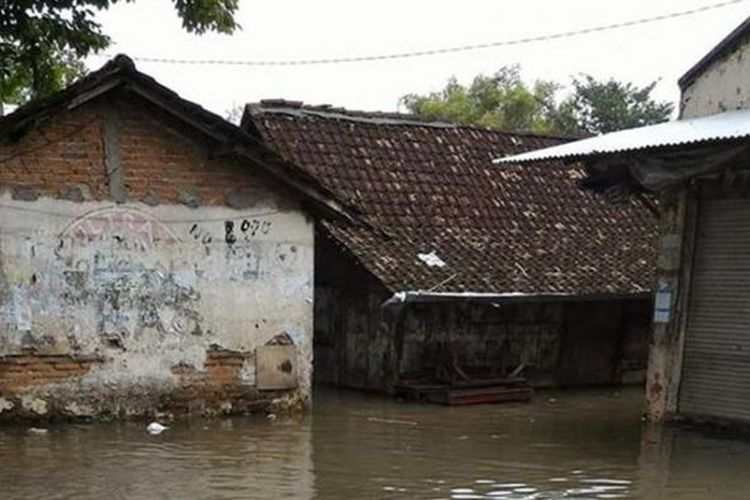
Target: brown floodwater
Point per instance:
(564, 445)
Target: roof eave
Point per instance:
(426, 296)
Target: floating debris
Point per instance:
(155, 428)
(391, 421)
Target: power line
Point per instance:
(444, 50)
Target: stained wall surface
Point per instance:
(161, 303)
(720, 87)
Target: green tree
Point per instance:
(504, 101)
(598, 107)
(42, 42)
(499, 101)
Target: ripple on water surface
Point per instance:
(577, 445)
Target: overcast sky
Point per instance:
(298, 29)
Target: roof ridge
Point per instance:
(300, 108)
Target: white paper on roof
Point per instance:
(431, 259)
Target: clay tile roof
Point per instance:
(444, 218)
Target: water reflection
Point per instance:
(221, 459)
(691, 465)
(566, 445)
(572, 445)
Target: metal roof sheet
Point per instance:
(723, 126)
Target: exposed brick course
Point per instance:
(30, 370)
(218, 387)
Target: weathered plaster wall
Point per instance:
(161, 303)
(144, 293)
(723, 86)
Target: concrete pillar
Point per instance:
(677, 232)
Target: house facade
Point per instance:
(462, 269)
(697, 168)
(154, 260)
(708, 363)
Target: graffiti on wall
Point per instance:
(127, 226)
(243, 230)
(119, 276)
(115, 261)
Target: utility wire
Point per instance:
(444, 50)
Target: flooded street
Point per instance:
(573, 445)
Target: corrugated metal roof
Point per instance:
(723, 126)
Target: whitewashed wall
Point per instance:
(723, 86)
(149, 288)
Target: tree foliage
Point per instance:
(597, 107)
(505, 101)
(500, 101)
(42, 42)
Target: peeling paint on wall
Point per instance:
(147, 289)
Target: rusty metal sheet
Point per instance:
(276, 367)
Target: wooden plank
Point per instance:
(445, 394)
(481, 396)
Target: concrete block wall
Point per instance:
(140, 273)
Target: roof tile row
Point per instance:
(427, 188)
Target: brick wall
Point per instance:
(159, 162)
(162, 161)
(63, 153)
(220, 386)
(27, 370)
